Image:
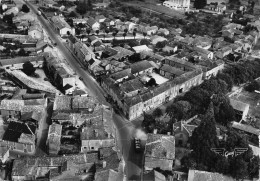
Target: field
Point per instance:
(154, 5)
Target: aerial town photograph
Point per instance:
(129, 90)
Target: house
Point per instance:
(141, 67)
(204, 53)
(170, 72)
(94, 136)
(246, 128)
(77, 21)
(13, 10)
(170, 49)
(83, 52)
(14, 108)
(93, 24)
(224, 52)
(60, 75)
(141, 48)
(159, 152)
(221, 7)
(179, 63)
(100, 18)
(61, 26)
(182, 130)
(58, 6)
(20, 137)
(151, 30)
(134, 19)
(35, 31)
(130, 26)
(153, 175)
(108, 175)
(54, 138)
(202, 42)
(176, 4)
(241, 109)
(155, 39)
(163, 31)
(58, 168)
(17, 63)
(197, 175)
(4, 154)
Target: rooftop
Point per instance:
(140, 66)
(172, 70)
(196, 175)
(160, 146)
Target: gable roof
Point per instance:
(121, 74)
(246, 128)
(160, 146)
(140, 66)
(197, 175)
(172, 70)
(16, 129)
(55, 129)
(107, 175)
(60, 22)
(238, 105)
(154, 176)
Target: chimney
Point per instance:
(104, 163)
(155, 131)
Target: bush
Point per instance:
(252, 86)
(25, 8)
(28, 68)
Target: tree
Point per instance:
(25, 8)
(203, 138)
(22, 52)
(222, 165)
(157, 113)
(73, 14)
(253, 167)
(145, 42)
(238, 168)
(8, 18)
(161, 44)
(126, 30)
(179, 110)
(252, 86)
(114, 35)
(88, 31)
(28, 68)
(124, 35)
(151, 82)
(134, 34)
(89, 5)
(144, 33)
(81, 8)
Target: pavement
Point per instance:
(125, 129)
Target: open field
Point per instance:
(152, 5)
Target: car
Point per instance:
(137, 144)
(80, 78)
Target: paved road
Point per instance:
(126, 130)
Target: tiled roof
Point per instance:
(121, 53)
(56, 115)
(197, 175)
(172, 70)
(154, 176)
(160, 146)
(238, 105)
(246, 128)
(23, 105)
(84, 102)
(91, 21)
(131, 85)
(121, 74)
(62, 103)
(107, 175)
(35, 115)
(21, 60)
(180, 61)
(60, 22)
(140, 66)
(16, 129)
(30, 82)
(55, 129)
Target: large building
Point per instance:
(177, 4)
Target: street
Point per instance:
(126, 130)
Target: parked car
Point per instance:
(137, 144)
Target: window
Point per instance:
(92, 148)
(180, 90)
